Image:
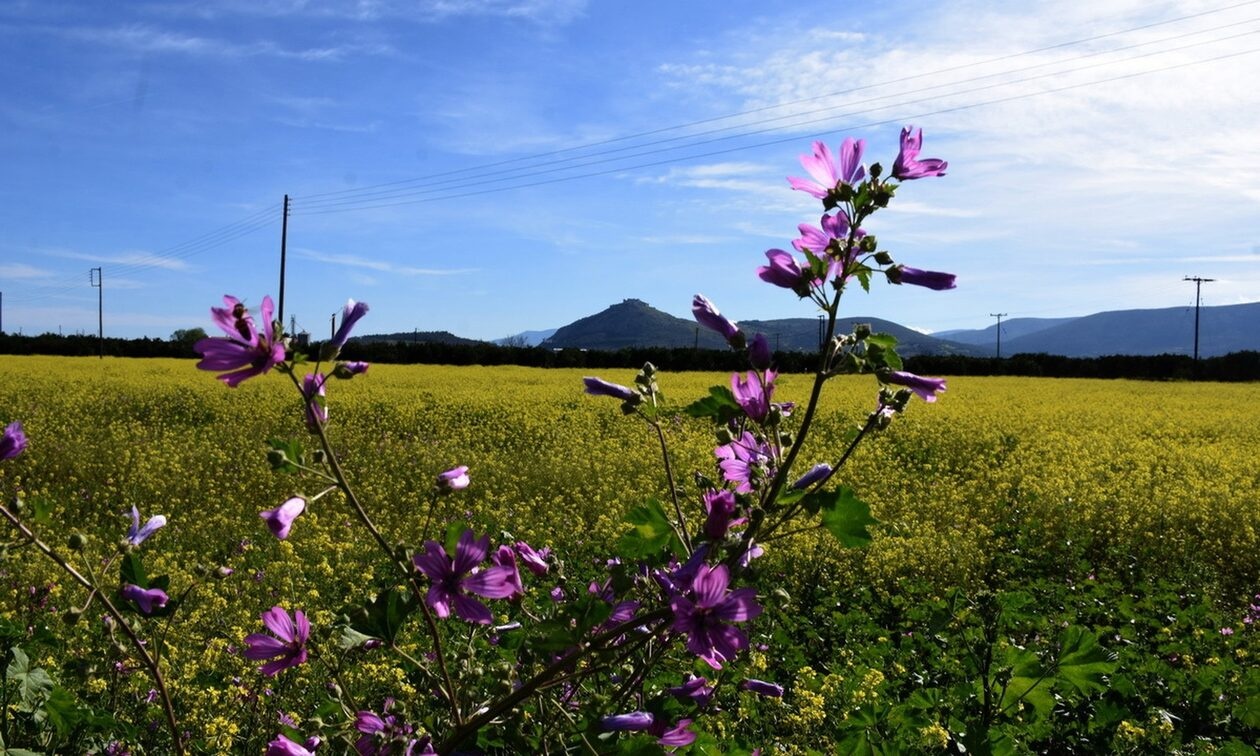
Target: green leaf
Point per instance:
(1033, 691)
(651, 532)
(291, 451)
(863, 275)
(886, 340)
(720, 405)
(33, 684)
(1083, 663)
(386, 613)
(62, 711)
(1248, 711)
(350, 638)
(131, 570)
(845, 516)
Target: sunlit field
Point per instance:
(1003, 485)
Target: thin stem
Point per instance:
(138, 644)
(408, 574)
(673, 488)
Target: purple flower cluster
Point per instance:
(13, 441)
(454, 579)
(702, 617)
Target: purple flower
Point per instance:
(347, 370)
(137, 534)
(762, 688)
(720, 508)
(672, 737)
(926, 388)
(901, 274)
(245, 352)
(535, 561)
(313, 393)
(753, 393)
(146, 599)
(280, 520)
(350, 315)
(826, 173)
(1227, 631)
(759, 354)
(13, 442)
(742, 460)
(828, 241)
(287, 649)
(601, 387)
(784, 271)
(632, 722)
(282, 746)
(505, 557)
(815, 474)
(707, 315)
(454, 578)
(695, 689)
(454, 479)
(381, 733)
(908, 166)
(704, 619)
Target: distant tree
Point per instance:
(518, 341)
(185, 338)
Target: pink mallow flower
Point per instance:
(454, 579)
(137, 534)
(313, 394)
(534, 559)
(245, 352)
(708, 315)
(826, 173)
(282, 746)
(280, 520)
(926, 388)
(753, 393)
(703, 620)
(13, 441)
(350, 315)
(287, 649)
(931, 279)
(742, 461)
(454, 479)
(907, 166)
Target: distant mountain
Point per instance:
(526, 338)
(1222, 329)
(434, 337)
(1011, 329)
(635, 323)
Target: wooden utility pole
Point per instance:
(999, 316)
(94, 277)
(1198, 285)
(284, 237)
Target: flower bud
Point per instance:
(222, 572)
(317, 456)
(868, 243)
(883, 258)
(875, 170)
(72, 615)
(724, 436)
(276, 457)
(861, 331)
(76, 542)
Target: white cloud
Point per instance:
(22, 271)
(355, 261)
(142, 259)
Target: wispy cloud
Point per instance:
(543, 12)
(23, 271)
(145, 38)
(381, 266)
(140, 259)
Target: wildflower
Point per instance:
(720, 507)
(1227, 631)
(137, 534)
(826, 173)
(454, 479)
(762, 688)
(784, 271)
(505, 557)
(454, 579)
(926, 388)
(313, 394)
(742, 460)
(707, 315)
(601, 387)
(287, 649)
(816, 473)
(280, 520)
(535, 561)
(347, 370)
(245, 352)
(753, 393)
(695, 689)
(931, 279)
(672, 737)
(759, 354)
(13, 442)
(703, 620)
(350, 315)
(908, 166)
(380, 733)
(282, 746)
(146, 599)
(632, 722)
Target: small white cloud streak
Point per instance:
(381, 266)
(23, 271)
(126, 258)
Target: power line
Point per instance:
(795, 137)
(666, 129)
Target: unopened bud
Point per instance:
(318, 456)
(868, 243)
(723, 436)
(222, 572)
(785, 439)
(875, 170)
(72, 615)
(276, 457)
(883, 258)
(76, 541)
(861, 331)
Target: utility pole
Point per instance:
(820, 333)
(1, 312)
(1198, 285)
(999, 316)
(332, 331)
(284, 236)
(94, 277)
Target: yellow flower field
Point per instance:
(1165, 474)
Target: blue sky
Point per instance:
(491, 166)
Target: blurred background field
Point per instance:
(1141, 481)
